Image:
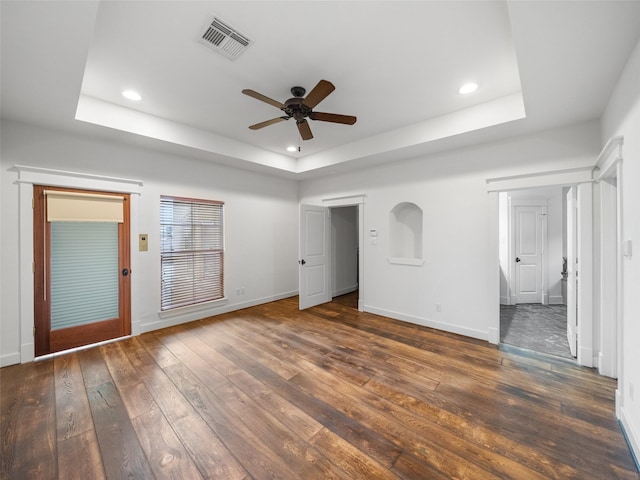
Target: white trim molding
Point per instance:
(344, 201)
(489, 335)
(607, 173)
(608, 159)
(571, 176)
(62, 178)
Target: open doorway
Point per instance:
(345, 255)
(316, 277)
(534, 244)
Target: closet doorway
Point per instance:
(345, 255)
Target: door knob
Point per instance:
(517, 259)
(302, 262)
(125, 272)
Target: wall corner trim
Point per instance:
(608, 159)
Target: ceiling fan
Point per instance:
(300, 108)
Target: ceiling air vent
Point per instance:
(220, 37)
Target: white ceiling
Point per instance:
(396, 65)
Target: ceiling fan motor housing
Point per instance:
(295, 108)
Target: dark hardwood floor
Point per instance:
(273, 393)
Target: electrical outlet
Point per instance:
(438, 307)
(240, 291)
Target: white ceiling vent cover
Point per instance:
(220, 37)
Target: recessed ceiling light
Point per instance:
(132, 95)
(291, 148)
(468, 88)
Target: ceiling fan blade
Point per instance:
(319, 93)
(266, 123)
(304, 129)
(263, 98)
(333, 117)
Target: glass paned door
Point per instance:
(82, 282)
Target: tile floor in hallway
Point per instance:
(542, 328)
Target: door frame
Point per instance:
(610, 166)
(46, 341)
(29, 176)
(333, 249)
(353, 201)
(582, 177)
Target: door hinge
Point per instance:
(33, 203)
(34, 330)
(33, 267)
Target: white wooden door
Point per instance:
(314, 275)
(572, 271)
(528, 254)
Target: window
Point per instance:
(191, 251)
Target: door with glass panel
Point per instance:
(81, 268)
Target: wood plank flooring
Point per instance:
(273, 393)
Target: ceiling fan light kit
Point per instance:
(300, 108)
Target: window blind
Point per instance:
(84, 273)
(83, 207)
(191, 251)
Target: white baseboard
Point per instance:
(586, 357)
(426, 322)
(345, 290)
(632, 435)
(493, 335)
(9, 359)
(555, 300)
(213, 311)
(505, 300)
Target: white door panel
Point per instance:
(572, 272)
(314, 284)
(528, 279)
(528, 254)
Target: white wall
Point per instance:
(460, 270)
(261, 222)
(622, 118)
(344, 250)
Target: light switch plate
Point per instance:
(143, 242)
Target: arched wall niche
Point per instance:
(405, 232)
